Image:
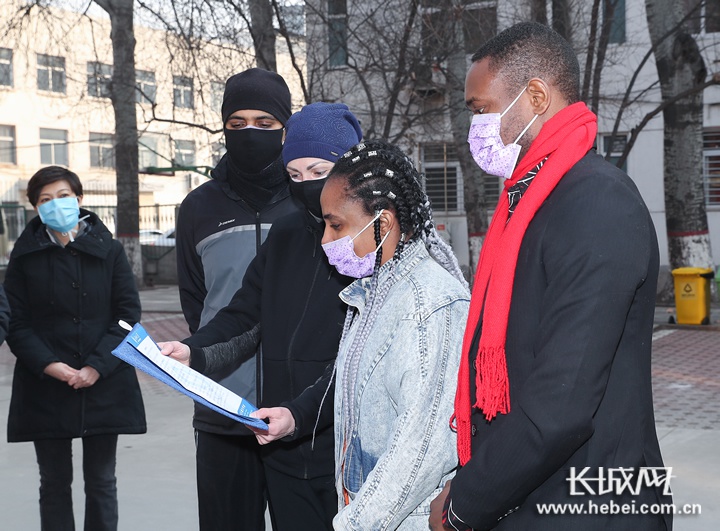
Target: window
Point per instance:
(491, 189)
(102, 151)
(293, 16)
(183, 92)
(145, 86)
(612, 149)
(53, 146)
(148, 151)
(6, 67)
(615, 15)
(99, 79)
(7, 144)
(479, 24)
(51, 73)
(443, 178)
(712, 16)
(337, 32)
(703, 15)
(711, 167)
(217, 91)
(14, 220)
(184, 153)
(435, 29)
(218, 151)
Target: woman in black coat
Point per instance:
(68, 283)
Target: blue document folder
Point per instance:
(138, 349)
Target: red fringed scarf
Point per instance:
(565, 138)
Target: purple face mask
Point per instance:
(341, 254)
(486, 145)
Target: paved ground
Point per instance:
(156, 485)
(156, 471)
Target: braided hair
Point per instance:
(381, 177)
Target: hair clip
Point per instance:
(389, 173)
(377, 192)
(367, 174)
(360, 146)
(391, 195)
(372, 153)
(355, 160)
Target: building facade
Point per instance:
(55, 108)
(357, 45)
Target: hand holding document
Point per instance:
(176, 350)
(139, 350)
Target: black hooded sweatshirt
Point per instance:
(291, 290)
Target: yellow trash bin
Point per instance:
(692, 294)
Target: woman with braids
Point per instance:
(400, 348)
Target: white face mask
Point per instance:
(487, 147)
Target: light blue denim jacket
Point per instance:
(401, 450)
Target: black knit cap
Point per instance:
(257, 89)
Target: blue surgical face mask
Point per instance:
(61, 214)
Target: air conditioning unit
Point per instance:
(429, 80)
(194, 180)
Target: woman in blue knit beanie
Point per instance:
(316, 137)
(292, 292)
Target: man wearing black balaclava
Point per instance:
(220, 227)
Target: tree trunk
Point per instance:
(681, 67)
(590, 51)
(401, 74)
(473, 180)
(605, 25)
(126, 137)
(263, 33)
(538, 11)
(561, 19)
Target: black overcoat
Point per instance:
(578, 350)
(65, 304)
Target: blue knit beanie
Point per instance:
(321, 130)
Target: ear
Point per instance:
(388, 221)
(79, 198)
(540, 95)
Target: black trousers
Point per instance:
(230, 482)
(301, 504)
(54, 457)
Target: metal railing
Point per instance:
(13, 219)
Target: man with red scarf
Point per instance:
(554, 399)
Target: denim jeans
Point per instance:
(54, 458)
